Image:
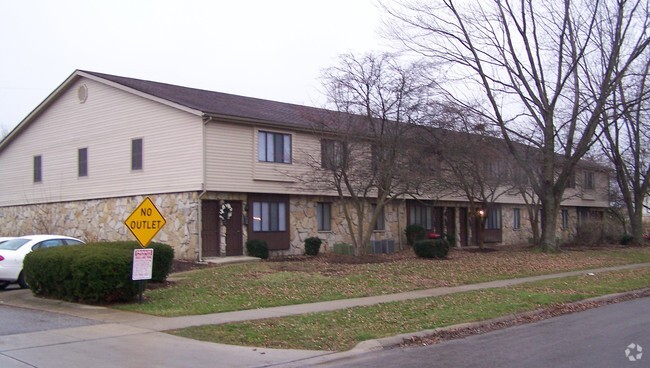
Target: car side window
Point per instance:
(48, 244)
(72, 242)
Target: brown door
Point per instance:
(462, 218)
(234, 242)
(210, 229)
(450, 222)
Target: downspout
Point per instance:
(206, 119)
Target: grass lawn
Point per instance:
(267, 284)
(342, 330)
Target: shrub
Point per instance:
(414, 233)
(626, 239)
(312, 246)
(343, 248)
(163, 256)
(257, 248)
(431, 248)
(89, 273)
(451, 239)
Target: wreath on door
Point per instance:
(225, 213)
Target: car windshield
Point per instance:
(13, 244)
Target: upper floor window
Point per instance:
(136, 154)
(324, 216)
(82, 164)
(333, 154)
(274, 147)
(38, 169)
(589, 180)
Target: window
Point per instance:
(565, 219)
(274, 147)
(269, 216)
(516, 218)
(324, 216)
(38, 169)
(421, 215)
(380, 225)
(136, 154)
(589, 180)
(493, 219)
(83, 162)
(571, 181)
(333, 154)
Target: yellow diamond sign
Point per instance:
(145, 222)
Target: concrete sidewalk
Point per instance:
(129, 339)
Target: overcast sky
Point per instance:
(260, 48)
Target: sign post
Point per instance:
(142, 268)
(144, 223)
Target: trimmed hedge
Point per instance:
(431, 248)
(257, 248)
(91, 273)
(163, 256)
(312, 246)
(414, 233)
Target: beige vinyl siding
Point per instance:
(233, 166)
(105, 124)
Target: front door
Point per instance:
(210, 228)
(462, 218)
(234, 241)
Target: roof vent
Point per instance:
(82, 93)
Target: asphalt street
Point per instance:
(21, 320)
(597, 338)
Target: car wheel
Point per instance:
(21, 281)
(3, 285)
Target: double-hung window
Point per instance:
(516, 218)
(274, 147)
(136, 154)
(38, 169)
(82, 164)
(589, 180)
(324, 216)
(380, 224)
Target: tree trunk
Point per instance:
(636, 225)
(550, 209)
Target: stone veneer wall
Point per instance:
(103, 220)
(303, 224)
(524, 234)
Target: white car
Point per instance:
(14, 250)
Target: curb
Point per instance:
(391, 342)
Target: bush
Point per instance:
(89, 273)
(451, 239)
(163, 256)
(312, 246)
(257, 248)
(626, 239)
(92, 273)
(414, 233)
(430, 248)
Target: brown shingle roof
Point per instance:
(217, 103)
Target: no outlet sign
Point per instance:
(145, 222)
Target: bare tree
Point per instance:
(544, 70)
(626, 142)
(367, 145)
(474, 163)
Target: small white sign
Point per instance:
(142, 264)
